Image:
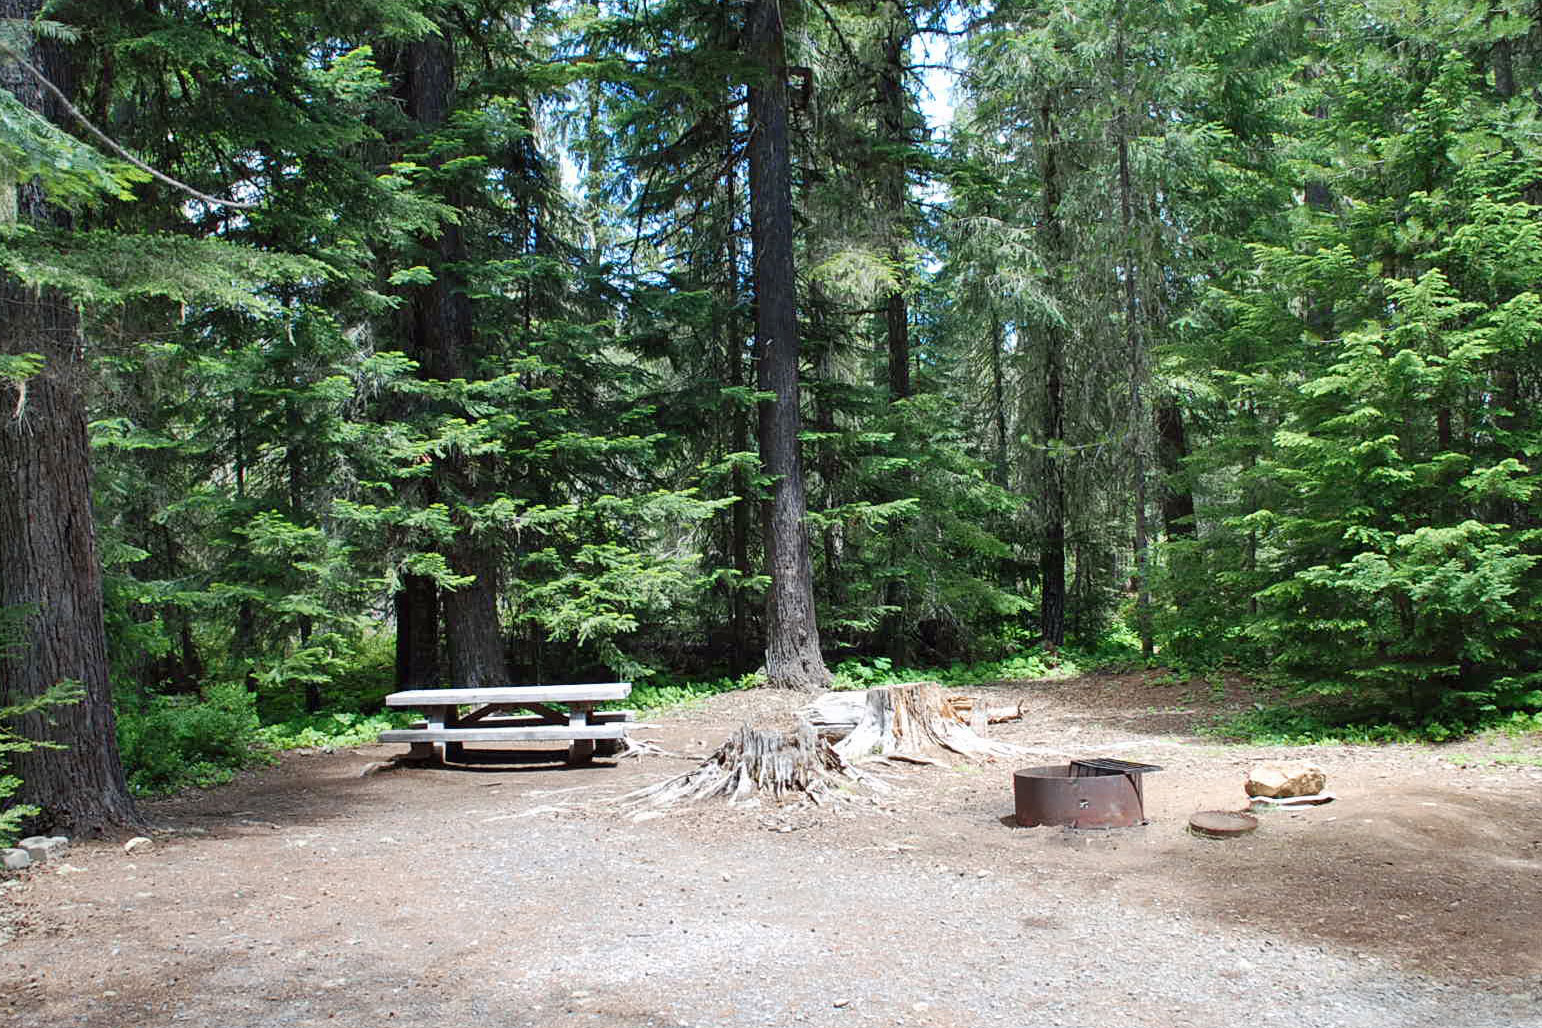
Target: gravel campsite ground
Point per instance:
(521, 894)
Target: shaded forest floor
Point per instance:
(516, 894)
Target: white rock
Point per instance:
(1285, 779)
(15, 859)
(44, 848)
(138, 842)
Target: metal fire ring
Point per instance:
(1092, 793)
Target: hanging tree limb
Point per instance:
(112, 145)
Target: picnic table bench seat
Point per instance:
(444, 731)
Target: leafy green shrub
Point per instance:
(172, 742)
(1032, 663)
(1519, 723)
(332, 729)
(853, 673)
(1326, 724)
(663, 693)
(353, 675)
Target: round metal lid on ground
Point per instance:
(1222, 824)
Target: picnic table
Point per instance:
(492, 718)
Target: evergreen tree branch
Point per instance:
(840, 37)
(112, 145)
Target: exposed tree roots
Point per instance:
(912, 723)
(756, 763)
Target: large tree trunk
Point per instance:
(793, 659)
(895, 192)
(894, 188)
(417, 633)
(1172, 449)
(999, 403)
(442, 341)
(739, 543)
(741, 514)
(1052, 481)
(473, 634)
(48, 558)
(1136, 356)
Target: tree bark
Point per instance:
(891, 109)
(417, 633)
(473, 633)
(739, 541)
(442, 341)
(1052, 547)
(1135, 354)
(48, 551)
(741, 514)
(999, 402)
(1172, 448)
(894, 183)
(793, 657)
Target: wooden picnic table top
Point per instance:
(511, 694)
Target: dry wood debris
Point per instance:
(756, 762)
(917, 723)
(913, 723)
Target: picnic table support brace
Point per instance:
(580, 751)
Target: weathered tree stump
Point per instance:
(835, 714)
(917, 723)
(756, 762)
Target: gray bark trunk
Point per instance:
(47, 539)
(1136, 356)
(1172, 448)
(793, 659)
(442, 341)
(417, 633)
(1052, 483)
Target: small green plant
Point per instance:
(854, 674)
(662, 693)
(1500, 760)
(1519, 759)
(1519, 723)
(173, 742)
(1324, 725)
(331, 729)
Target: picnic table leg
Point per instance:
(438, 717)
(421, 753)
(580, 751)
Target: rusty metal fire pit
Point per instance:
(1098, 792)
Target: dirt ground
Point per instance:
(518, 893)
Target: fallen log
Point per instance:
(1001, 715)
(966, 710)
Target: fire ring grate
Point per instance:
(1094, 792)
